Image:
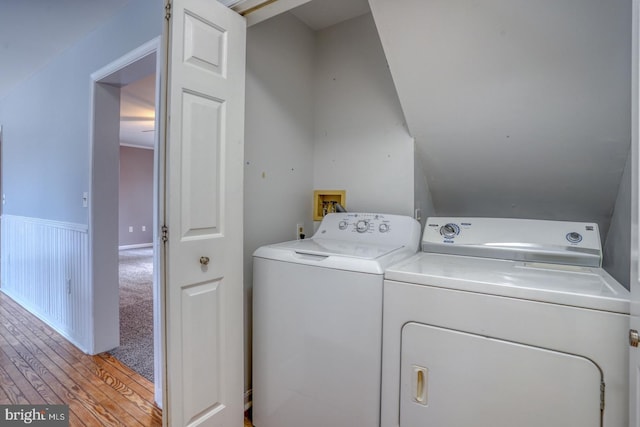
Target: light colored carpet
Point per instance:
(136, 311)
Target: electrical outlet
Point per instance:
(144, 228)
(299, 231)
(131, 229)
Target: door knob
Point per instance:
(634, 338)
(204, 260)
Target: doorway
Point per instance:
(110, 123)
(135, 228)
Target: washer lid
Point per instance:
(332, 247)
(336, 254)
(587, 287)
(359, 242)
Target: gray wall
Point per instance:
(135, 205)
(321, 112)
(46, 119)
(278, 141)
(422, 193)
(617, 248)
(362, 144)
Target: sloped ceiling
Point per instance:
(54, 27)
(519, 108)
(33, 32)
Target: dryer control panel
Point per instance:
(558, 242)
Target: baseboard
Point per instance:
(45, 319)
(136, 246)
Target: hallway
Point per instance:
(38, 366)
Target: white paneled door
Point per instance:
(204, 135)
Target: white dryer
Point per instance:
(503, 323)
(317, 321)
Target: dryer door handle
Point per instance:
(420, 384)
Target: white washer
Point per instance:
(503, 323)
(317, 321)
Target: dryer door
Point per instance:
(455, 379)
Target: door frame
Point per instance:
(103, 202)
(634, 282)
(1, 201)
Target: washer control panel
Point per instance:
(370, 227)
(561, 242)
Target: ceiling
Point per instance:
(137, 113)
(518, 108)
(25, 54)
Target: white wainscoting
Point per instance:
(45, 268)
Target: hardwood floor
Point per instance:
(38, 366)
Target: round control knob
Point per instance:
(383, 228)
(342, 225)
(449, 231)
(362, 226)
(574, 237)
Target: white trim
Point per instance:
(230, 3)
(634, 318)
(136, 246)
(268, 11)
(159, 159)
(83, 228)
(153, 46)
(146, 49)
(130, 145)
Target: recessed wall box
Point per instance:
(325, 201)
